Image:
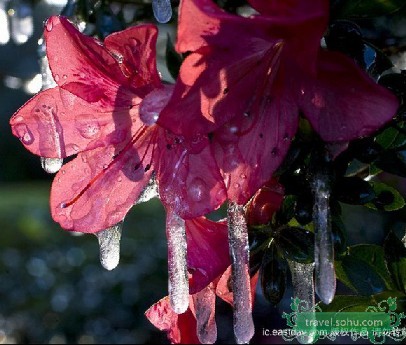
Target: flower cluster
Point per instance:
(218, 135)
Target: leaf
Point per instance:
(393, 162)
(368, 8)
(353, 190)
(387, 198)
(359, 276)
(273, 276)
(296, 244)
(395, 255)
(173, 59)
(364, 269)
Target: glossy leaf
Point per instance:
(353, 190)
(273, 276)
(368, 8)
(296, 244)
(393, 162)
(395, 255)
(387, 198)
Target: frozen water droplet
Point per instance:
(56, 77)
(109, 246)
(239, 252)
(150, 191)
(177, 246)
(51, 165)
(197, 189)
(88, 129)
(24, 134)
(324, 247)
(204, 303)
(162, 10)
(303, 289)
(49, 25)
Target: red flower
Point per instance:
(104, 110)
(210, 272)
(247, 79)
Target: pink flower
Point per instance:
(210, 272)
(104, 109)
(247, 79)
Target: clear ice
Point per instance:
(177, 266)
(51, 165)
(239, 252)
(303, 289)
(162, 10)
(109, 245)
(204, 303)
(324, 247)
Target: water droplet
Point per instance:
(162, 10)
(109, 246)
(49, 25)
(247, 114)
(24, 134)
(119, 179)
(204, 303)
(18, 119)
(197, 189)
(177, 247)
(88, 129)
(62, 204)
(51, 165)
(323, 247)
(65, 76)
(243, 176)
(236, 185)
(56, 77)
(239, 252)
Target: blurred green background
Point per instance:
(52, 287)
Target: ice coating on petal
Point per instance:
(51, 165)
(303, 289)
(323, 248)
(239, 252)
(177, 267)
(162, 10)
(109, 245)
(204, 303)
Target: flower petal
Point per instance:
(181, 329)
(136, 47)
(96, 189)
(220, 79)
(250, 148)
(188, 177)
(344, 103)
(56, 123)
(81, 65)
(208, 254)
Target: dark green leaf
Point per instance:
(393, 162)
(173, 59)
(287, 210)
(367, 8)
(359, 276)
(304, 211)
(396, 82)
(339, 235)
(353, 190)
(387, 198)
(395, 255)
(273, 276)
(296, 244)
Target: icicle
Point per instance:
(51, 165)
(239, 252)
(177, 266)
(109, 245)
(47, 79)
(204, 303)
(162, 10)
(4, 30)
(303, 289)
(324, 247)
(22, 22)
(150, 191)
